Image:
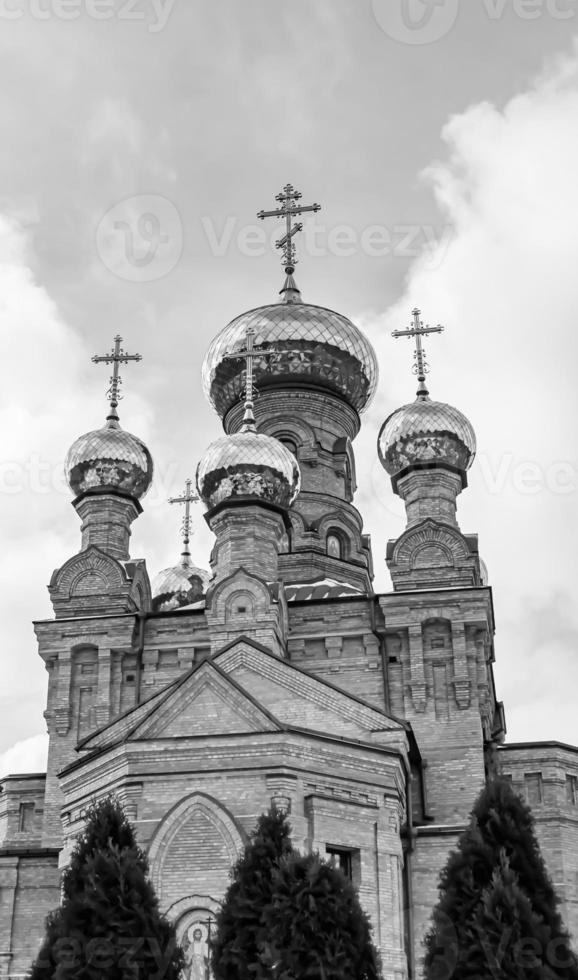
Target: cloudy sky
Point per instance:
(138, 142)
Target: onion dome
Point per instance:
(109, 460)
(301, 346)
(248, 464)
(426, 433)
(179, 586)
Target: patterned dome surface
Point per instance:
(426, 432)
(178, 586)
(248, 464)
(109, 459)
(301, 344)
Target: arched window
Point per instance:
(289, 444)
(334, 545)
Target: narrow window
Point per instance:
(26, 818)
(571, 789)
(533, 781)
(340, 857)
(290, 445)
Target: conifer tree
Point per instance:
(497, 901)
(108, 924)
(316, 928)
(240, 929)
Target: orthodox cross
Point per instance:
(249, 353)
(290, 208)
(209, 924)
(117, 356)
(417, 330)
(186, 498)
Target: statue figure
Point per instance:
(196, 950)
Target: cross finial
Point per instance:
(289, 208)
(420, 367)
(249, 353)
(187, 498)
(117, 356)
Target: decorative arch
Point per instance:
(89, 582)
(181, 911)
(200, 839)
(431, 555)
(219, 594)
(437, 636)
(297, 430)
(240, 605)
(85, 651)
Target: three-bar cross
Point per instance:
(289, 209)
(186, 498)
(249, 354)
(420, 367)
(117, 356)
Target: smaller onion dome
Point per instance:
(426, 433)
(109, 459)
(248, 464)
(178, 586)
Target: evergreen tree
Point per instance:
(316, 928)
(108, 924)
(495, 893)
(240, 930)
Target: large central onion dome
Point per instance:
(109, 460)
(302, 345)
(426, 433)
(248, 464)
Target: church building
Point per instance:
(278, 676)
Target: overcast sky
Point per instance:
(138, 142)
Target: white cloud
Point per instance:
(45, 364)
(26, 756)
(507, 290)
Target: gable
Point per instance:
(209, 705)
(299, 699)
(204, 701)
